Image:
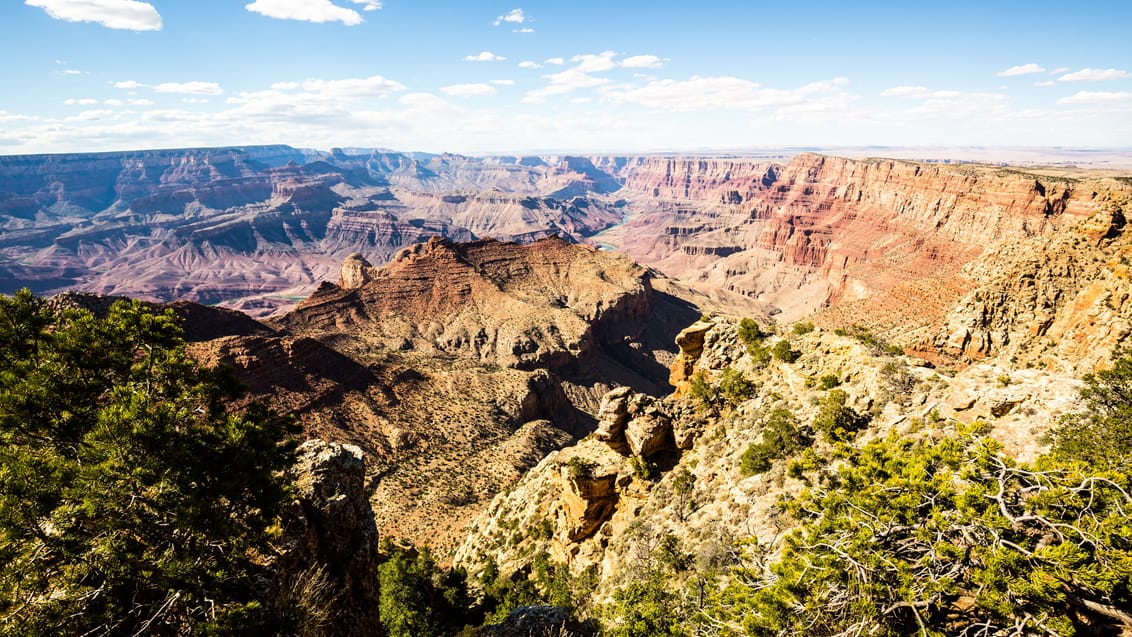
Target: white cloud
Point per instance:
(189, 88)
(642, 62)
(1089, 97)
(1094, 75)
(368, 5)
(424, 101)
(1044, 83)
(503, 82)
(317, 11)
(514, 16)
(130, 15)
(353, 88)
(87, 116)
(193, 100)
(523, 30)
(143, 102)
(711, 93)
(527, 64)
(581, 100)
(556, 61)
(1059, 70)
(563, 82)
(128, 84)
(1023, 69)
(71, 72)
(86, 101)
(484, 56)
(468, 90)
(949, 104)
(594, 63)
(114, 102)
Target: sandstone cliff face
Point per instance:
(602, 512)
(825, 231)
(1060, 302)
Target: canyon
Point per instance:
(461, 320)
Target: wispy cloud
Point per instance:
(643, 62)
(527, 64)
(189, 88)
(368, 5)
(523, 30)
(1100, 97)
(948, 104)
(564, 82)
(129, 84)
(556, 61)
(503, 82)
(478, 89)
(594, 62)
(1045, 83)
(484, 56)
(1022, 69)
(85, 101)
(317, 11)
(1094, 75)
(713, 93)
(130, 15)
(514, 16)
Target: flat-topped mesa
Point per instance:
(539, 305)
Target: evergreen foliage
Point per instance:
(944, 537)
(783, 351)
(417, 598)
(1103, 435)
(131, 500)
(836, 420)
(781, 438)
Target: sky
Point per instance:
(518, 76)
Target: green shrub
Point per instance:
(785, 352)
(1102, 435)
(643, 469)
(580, 468)
(801, 329)
(702, 390)
(781, 438)
(829, 381)
(750, 332)
(734, 387)
(837, 421)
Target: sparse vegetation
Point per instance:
(785, 352)
(750, 332)
(828, 381)
(781, 438)
(734, 387)
(801, 329)
(835, 420)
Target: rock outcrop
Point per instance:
(327, 567)
(605, 513)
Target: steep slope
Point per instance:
(456, 367)
(674, 467)
(824, 230)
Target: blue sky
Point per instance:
(611, 76)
